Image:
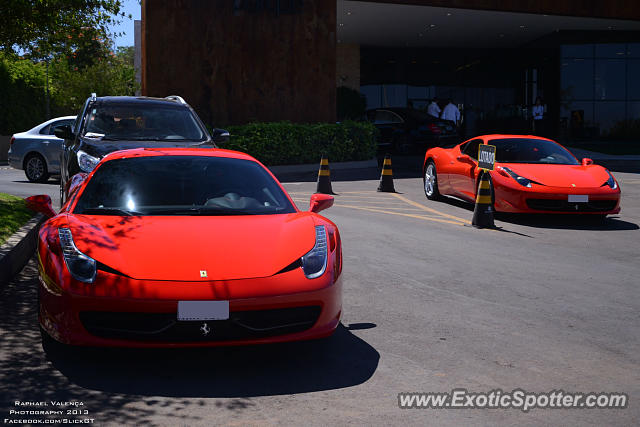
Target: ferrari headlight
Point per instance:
(519, 179)
(314, 263)
(81, 267)
(611, 182)
(86, 161)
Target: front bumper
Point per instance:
(124, 312)
(555, 200)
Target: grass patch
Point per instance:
(13, 215)
(614, 148)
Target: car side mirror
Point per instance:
(220, 136)
(41, 204)
(587, 161)
(464, 158)
(63, 132)
(320, 202)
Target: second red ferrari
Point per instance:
(532, 175)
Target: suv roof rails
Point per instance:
(176, 98)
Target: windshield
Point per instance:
(521, 150)
(143, 122)
(182, 185)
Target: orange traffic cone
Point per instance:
(483, 210)
(386, 177)
(324, 177)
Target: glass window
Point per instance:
(577, 51)
(609, 114)
(394, 95)
(577, 78)
(182, 185)
(633, 78)
(387, 117)
(522, 150)
(372, 94)
(471, 149)
(610, 79)
(143, 122)
(611, 50)
(633, 50)
(633, 110)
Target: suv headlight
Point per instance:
(611, 182)
(86, 161)
(314, 263)
(81, 267)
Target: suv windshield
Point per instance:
(522, 150)
(182, 185)
(144, 122)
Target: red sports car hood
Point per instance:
(574, 176)
(180, 247)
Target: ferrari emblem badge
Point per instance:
(573, 185)
(203, 273)
(205, 329)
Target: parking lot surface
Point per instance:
(431, 304)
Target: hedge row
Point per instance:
(284, 143)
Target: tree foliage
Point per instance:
(44, 27)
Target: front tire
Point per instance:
(35, 168)
(430, 180)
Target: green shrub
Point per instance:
(284, 143)
(351, 104)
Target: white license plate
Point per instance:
(578, 198)
(203, 310)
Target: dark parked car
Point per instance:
(112, 123)
(406, 129)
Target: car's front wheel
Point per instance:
(431, 182)
(35, 168)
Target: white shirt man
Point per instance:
(433, 109)
(451, 112)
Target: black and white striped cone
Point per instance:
(483, 210)
(324, 177)
(386, 177)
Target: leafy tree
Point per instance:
(44, 27)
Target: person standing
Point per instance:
(538, 116)
(434, 109)
(451, 112)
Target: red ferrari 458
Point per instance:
(532, 175)
(185, 247)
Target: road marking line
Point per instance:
(423, 217)
(423, 207)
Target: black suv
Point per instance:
(114, 123)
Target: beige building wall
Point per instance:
(348, 65)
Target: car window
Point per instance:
(387, 117)
(524, 150)
(471, 149)
(48, 130)
(144, 122)
(182, 185)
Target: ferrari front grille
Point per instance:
(164, 327)
(558, 205)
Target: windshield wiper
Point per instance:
(204, 210)
(109, 211)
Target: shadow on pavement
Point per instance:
(167, 380)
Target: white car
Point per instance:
(37, 150)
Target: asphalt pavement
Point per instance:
(431, 304)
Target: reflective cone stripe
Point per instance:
(386, 177)
(324, 173)
(483, 200)
(324, 161)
